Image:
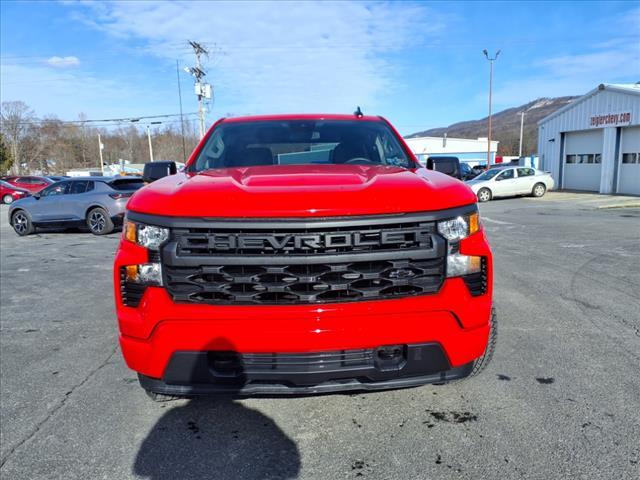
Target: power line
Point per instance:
(103, 120)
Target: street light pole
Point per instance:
(100, 148)
(521, 131)
(149, 139)
(491, 60)
(150, 146)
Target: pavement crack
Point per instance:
(56, 408)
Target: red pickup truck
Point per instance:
(300, 254)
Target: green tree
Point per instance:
(5, 156)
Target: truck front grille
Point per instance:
(300, 283)
(303, 261)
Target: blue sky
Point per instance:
(418, 64)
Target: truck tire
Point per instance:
(99, 221)
(539, 189)
(481, 363)
(21, 223)
(484, 195)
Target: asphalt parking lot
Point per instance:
(560, 399)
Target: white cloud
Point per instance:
(63, 62)
(66, 93)
(282, 56)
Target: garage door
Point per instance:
(583, 160)
(629, 171)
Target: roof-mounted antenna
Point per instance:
(358, 113)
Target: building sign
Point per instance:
(611, 120)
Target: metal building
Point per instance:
(593, 143)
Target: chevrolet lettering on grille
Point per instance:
(320, 241)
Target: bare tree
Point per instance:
(49, 145)
(16, 120)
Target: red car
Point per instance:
(301, 254)
(9, 193)
(32, 184)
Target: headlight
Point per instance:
(460, 227)
(148, 236)
(459, 265)
(145, 274)
(454, 230)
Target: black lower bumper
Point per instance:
(230, 373)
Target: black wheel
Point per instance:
(99, 222)
(484, 195)
(7, 199)
(161, 397)
(539, 189)
(21, 223)
(481, 363)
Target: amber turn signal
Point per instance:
(132, 273)
(474, 223)
(129, 232)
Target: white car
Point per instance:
(509, 182)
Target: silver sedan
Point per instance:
(509, 182)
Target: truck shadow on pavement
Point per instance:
(216, 438)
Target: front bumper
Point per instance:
(159, 330)
(194, 373)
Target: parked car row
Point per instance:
(95, 202)
(505, 180)
(99, 202)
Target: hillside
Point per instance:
(506, 126)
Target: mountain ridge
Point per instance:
(505, 126)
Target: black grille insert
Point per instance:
(291, 284)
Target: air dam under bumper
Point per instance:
(236, 374)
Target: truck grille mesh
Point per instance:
(283, 284)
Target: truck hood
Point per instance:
(300, 191)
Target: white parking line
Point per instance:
(499, 222)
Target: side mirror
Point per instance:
(156, 170)
(36, 196)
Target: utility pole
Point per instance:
(202, 89)
(184, 147)
(491, 60)
(521, 131)
(100, 148)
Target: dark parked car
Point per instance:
(9, 193)
(451, 166)
(97, 202)
(467, 172)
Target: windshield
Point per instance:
(301, 142)
(489, 174)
